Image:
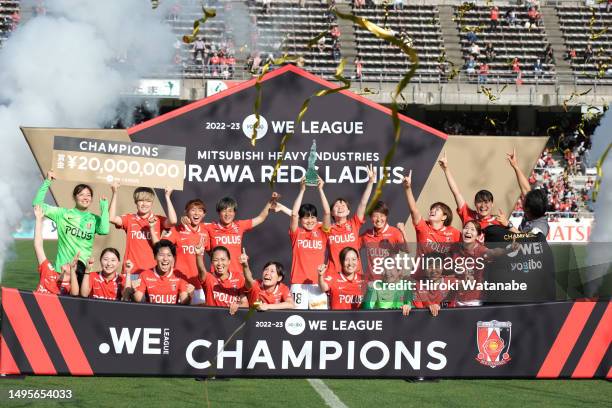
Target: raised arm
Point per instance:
(523, 182)
(295, 217)
(128, 290)
(459, 200)
(322, 284)
(363, 203)
(172, 219)
(74, 281)
(154, 237)
(38, 235)
(412, 206)
(200, 261)
(112, 210)
(50, 211)
(248, 275)
(325, 204)
(85, 284)
(139, 292)
(278, 207)
(103, 227)
(265, 211)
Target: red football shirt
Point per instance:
(479, 251)
(466, 214)
(138, 244)
(425, 296)
(345, 294)
(431, 238)
(49, 280)
(229, 237)
(340, 237)
(103, 289)
(278, 294)
(223, 293)
(434, 240)
(186, 240)
(382, 244)
(308, 252)
(161, 289)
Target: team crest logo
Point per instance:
(493, 339)
(88, 226)
(173, 287)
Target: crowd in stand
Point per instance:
(478, 60)
(217, 59)
(556, 178)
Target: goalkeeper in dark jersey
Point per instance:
(393, 292)
(76, 227)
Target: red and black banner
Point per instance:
(50, 335)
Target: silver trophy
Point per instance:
(312, 177)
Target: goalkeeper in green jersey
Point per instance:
(76, 227)
(393, 292)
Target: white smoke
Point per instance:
(68, 69)
(599, 254)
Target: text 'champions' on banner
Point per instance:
(106, 161)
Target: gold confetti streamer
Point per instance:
(599, 167)
(386, 35)
(572, 95)
(488, 92)
(283, 145)
(368, 91)
(462, 10)
(496, 122)
(313, 41)
(188, 39)
(595, 35)
(257, 105)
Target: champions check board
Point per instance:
(131, 164)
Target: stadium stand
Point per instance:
(288, 27)
(587, 41)
(280, 27)
(567, 181)
(520, 41)
(217, 49)
(10, 14)
(418, 25)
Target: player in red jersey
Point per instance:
(308, 244)
(269, 292)
(139, 225)
(223, 287)
(470, 258)
(381, 241)
(108, 283)
(64, 283)
(483, 201)
(229, 233)
(437, 230)
(160, 284)
(345, 289)
(187, 236)
(344, 232)
(436, 290)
